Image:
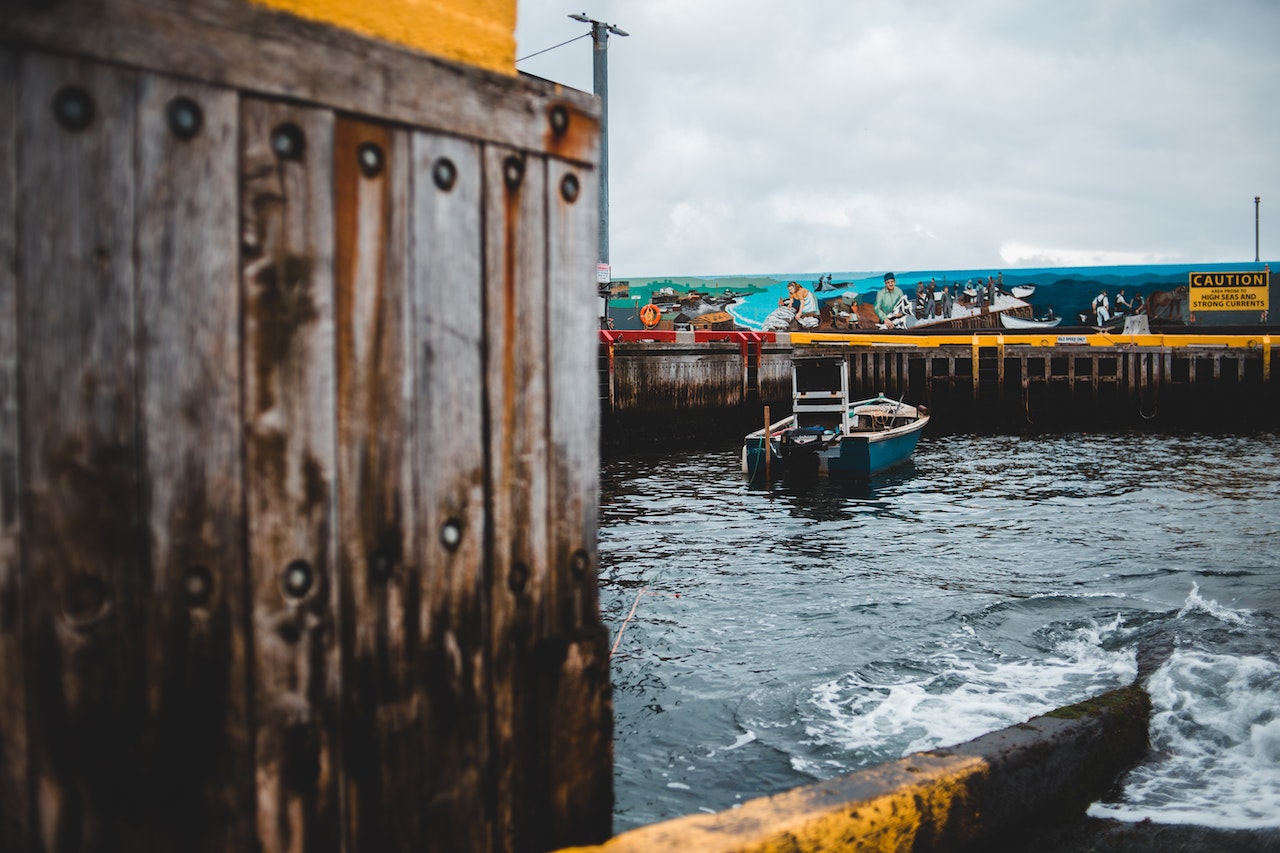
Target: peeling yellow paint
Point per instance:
(477, 32)
(954, 798)
(894, 807)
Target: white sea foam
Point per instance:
(743, 739)
(1215, 740)
(966, 697)
(1195, 602)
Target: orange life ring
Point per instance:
(650, 315)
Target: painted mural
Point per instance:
(1104, 297)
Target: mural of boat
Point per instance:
(1011, 322)
(1161, 291)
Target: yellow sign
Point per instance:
(1230, 291)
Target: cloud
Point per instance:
(752, 136)
(1019, 255)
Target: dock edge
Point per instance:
(988, 790)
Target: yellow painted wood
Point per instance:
(1042, 339)
(477, 32)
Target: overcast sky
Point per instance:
(760, 136)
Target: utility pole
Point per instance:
(1257, 199)
(600, 79)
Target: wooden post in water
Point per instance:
(768, 448)
(298, 437)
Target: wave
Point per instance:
(870, 716)
(1215, 740)
(1197, 604)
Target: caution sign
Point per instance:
(1230, 291)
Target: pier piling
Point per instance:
(298, 442)
(996, 383)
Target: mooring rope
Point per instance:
(644, 590)
(1155, 405)
(623, 626)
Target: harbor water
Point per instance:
(767, 636)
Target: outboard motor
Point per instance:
(799, 448)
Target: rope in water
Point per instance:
(623, 626)
(644, 590)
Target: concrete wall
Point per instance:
(987, 793)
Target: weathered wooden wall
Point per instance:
(651, 391)
(297, 443)
(665, 377)
(1021, 388)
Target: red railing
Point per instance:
(613, 336)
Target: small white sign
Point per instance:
(1072, 339)
(602, 273)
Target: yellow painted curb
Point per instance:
(899, 806)
(1018, 780)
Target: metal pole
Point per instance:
(600, 81)
(1257, 199)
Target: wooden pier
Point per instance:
(986, 382)
(298, 469)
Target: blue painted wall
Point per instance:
(1070, 290)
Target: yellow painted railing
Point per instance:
(1041, 339)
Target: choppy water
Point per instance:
(782, 635)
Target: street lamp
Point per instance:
(600, 67)
(1257, 199)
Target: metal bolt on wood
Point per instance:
(73, 108)
(184, 117)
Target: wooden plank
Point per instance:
(1000, 370)
(578, 704)
(455, 781)
(287, 281)
(379, 571)
(1071, 377)
(15, 802)
(199, 759)
(246, 46)
(516, 387)
(85, 570)
(974, 349)
(1129, 361)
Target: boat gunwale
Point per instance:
(918, 421)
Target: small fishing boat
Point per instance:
(1022, 291)
(828, 436)
(1011, 322)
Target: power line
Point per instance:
(553, 47)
